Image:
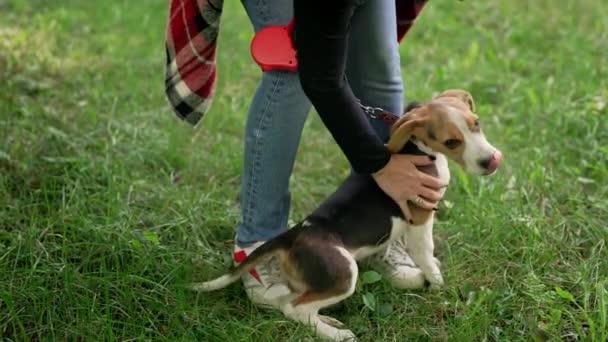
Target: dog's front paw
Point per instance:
(406, 277)
(435, 287)
(436, 282)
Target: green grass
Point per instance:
(108, 205)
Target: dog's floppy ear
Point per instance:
(401, 132)
(462, 95)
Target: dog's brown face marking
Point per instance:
(430, 133)
(439, 132)
(448, 125)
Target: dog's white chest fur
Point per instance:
(443, 172)
(399, 227)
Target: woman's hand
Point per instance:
(402, 181)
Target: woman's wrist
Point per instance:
(377, 169)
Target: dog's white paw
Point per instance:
(436, 281)
(344, 335)
(325, 328)
(332, 321)
(435, 287)
(406, 278)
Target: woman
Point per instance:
(335, 40)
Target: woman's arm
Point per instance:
(322, 34)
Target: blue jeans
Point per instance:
(279, 109)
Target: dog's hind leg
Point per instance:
(305, 308)
(325, 327)
(332, 321)
(307, 312)
(420, 245)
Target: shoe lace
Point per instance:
(271, 272)
(396, 255)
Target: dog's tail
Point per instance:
(259, 255)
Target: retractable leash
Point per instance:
(272, 48)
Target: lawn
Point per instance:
(109, 205)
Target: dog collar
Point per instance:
(411, 148)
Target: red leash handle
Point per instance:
(272, 48)
(290, 26)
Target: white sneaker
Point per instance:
(397, 267)
(264, 284)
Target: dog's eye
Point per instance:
(476, 127)
(452, 143)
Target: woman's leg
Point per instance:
(274, 125)
(373, 66)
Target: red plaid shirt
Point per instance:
(191, 41)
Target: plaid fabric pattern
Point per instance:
(191, 41)
(191, 71)
(407, 11)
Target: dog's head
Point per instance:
(448, 125)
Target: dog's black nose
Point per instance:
(491, 163)
(484, 163)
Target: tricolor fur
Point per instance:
(318, 256)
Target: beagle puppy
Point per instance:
(318, 256)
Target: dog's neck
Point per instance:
(423, 147)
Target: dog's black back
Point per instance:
(358, 212)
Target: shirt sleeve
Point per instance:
(321, 40)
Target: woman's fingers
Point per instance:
(420, 160)
(429, 194)
(425, 179)
(431, 181)
(424, 203)
(403, 182)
